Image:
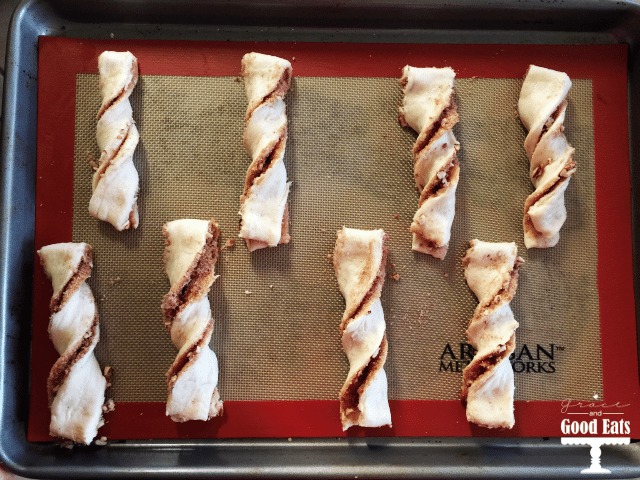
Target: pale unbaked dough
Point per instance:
(359, 262)
(429, 109)
(115, 181)
(542, 107)
(75, 385)
(491, 271)
(263, 204)
(190, 255)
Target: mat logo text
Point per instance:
(524, 359)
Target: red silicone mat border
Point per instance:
(61, 59)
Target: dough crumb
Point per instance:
(102, 441)
(113, 281)
(393, 274)
(229, 244)
(109, 406)
(91, 159)
(106, 373)
(247, 292)
(395, 216)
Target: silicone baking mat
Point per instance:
(277, 310)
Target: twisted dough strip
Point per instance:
(359, 262)
(542, 106)
(429, 109)
(263, 204)
(75, 385)
(190, 255)
(115, 182)
(491, 271)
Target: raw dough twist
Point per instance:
(542, 106)
(429, 109)
(75, 385)
(115, 181)
(491, 271)
(190, 255)
(263, 205)
(359, 260)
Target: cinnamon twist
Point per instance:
(190, 255)
(429, 109)
(542, 107)
(359, 261)
(75, 386)
(491, 271)
(263, 204)
(115, 181)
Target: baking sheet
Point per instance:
(569, 23)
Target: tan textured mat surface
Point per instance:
(277, 311)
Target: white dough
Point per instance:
(358, 258)
(193, 393)
(115, 181)
(76, 403)
(490, 270)
(542, 107)
(263, 203)
(428, 92)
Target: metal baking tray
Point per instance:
(414, 21)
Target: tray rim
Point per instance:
(368, 457)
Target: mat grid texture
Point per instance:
(277, 310)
